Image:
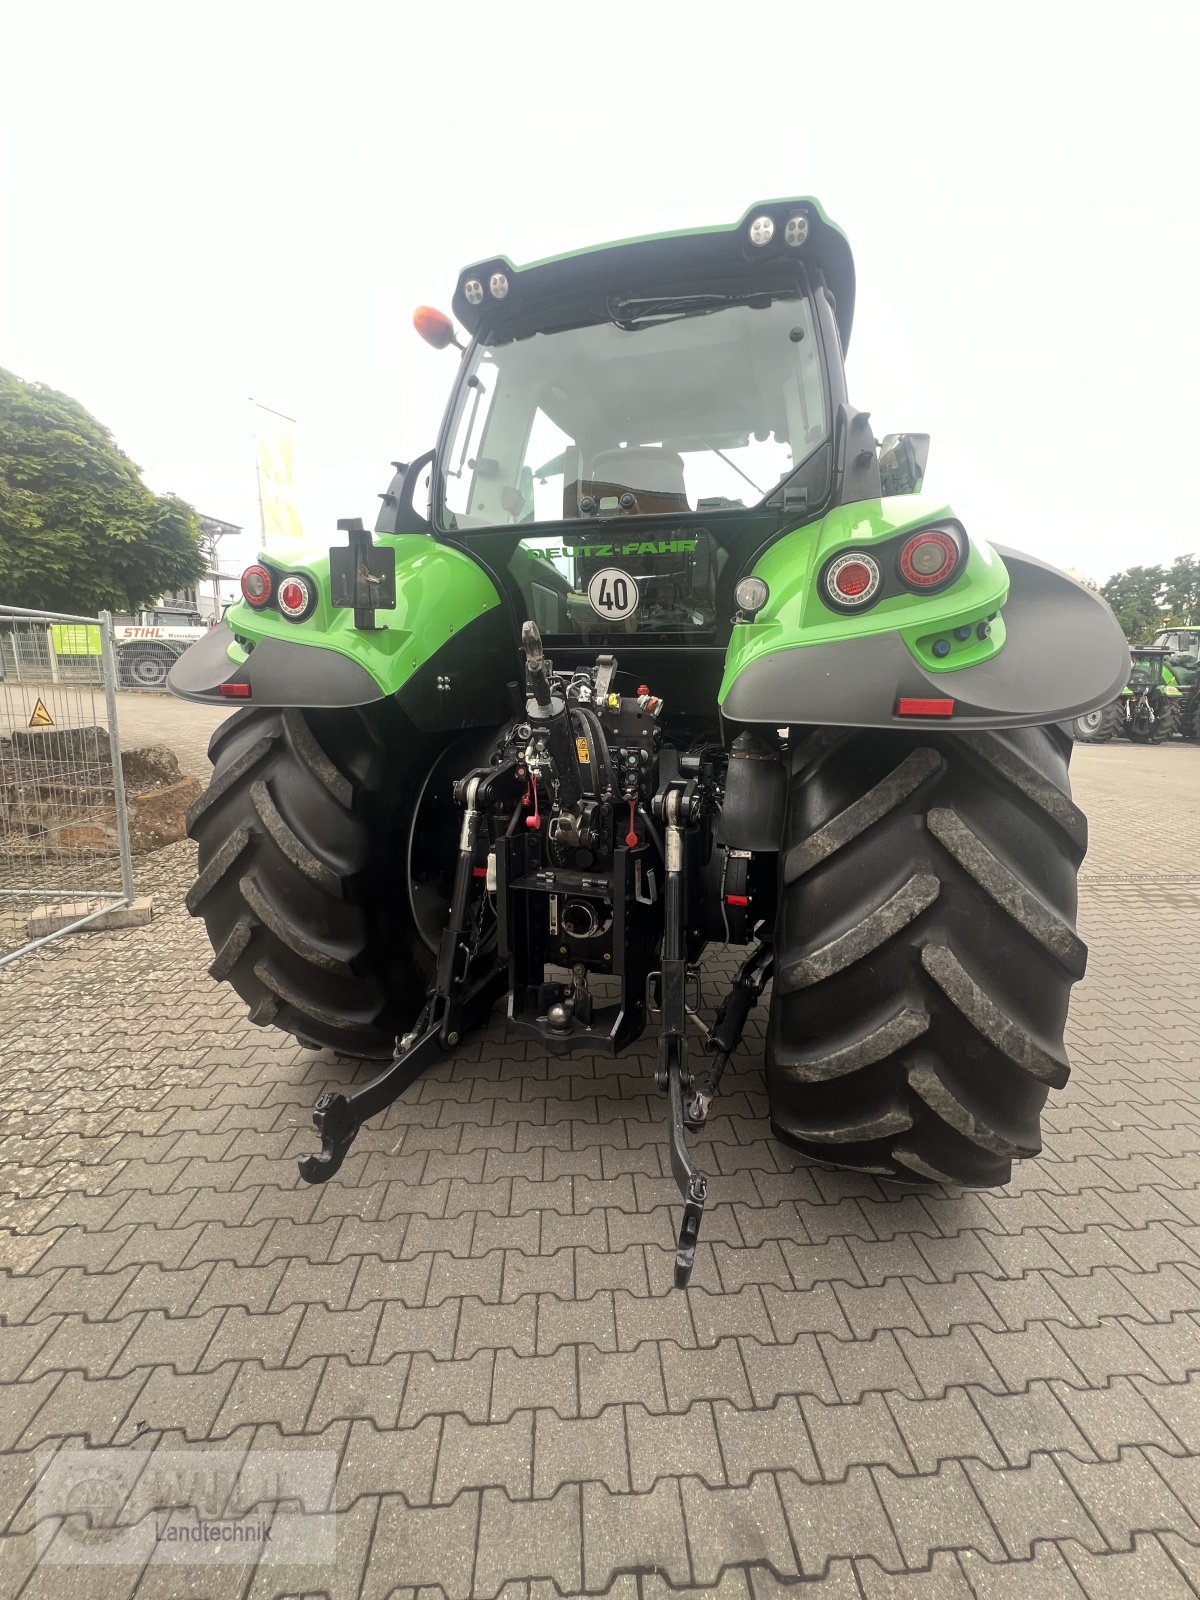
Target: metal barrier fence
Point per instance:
(64, 828)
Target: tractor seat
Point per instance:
(654, 475)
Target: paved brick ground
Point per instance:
(867, 1392)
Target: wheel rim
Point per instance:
(148, 671)
(1091, 721)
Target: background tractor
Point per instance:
(1184, 662)
(658, 649)
(1151, 700)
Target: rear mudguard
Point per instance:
(1018, 643)
(437, 649)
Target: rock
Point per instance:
(80, 838)
(82, 746)
(151, 767)
(159, 816)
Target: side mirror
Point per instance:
(902, 460)
(434, 327)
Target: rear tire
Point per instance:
(301, 862)
(1189, 721)
(1166, 723)
(1099, 726)
(925, 949)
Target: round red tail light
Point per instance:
(853, 579)
(929, 559)
(295, 597)
(256, 586)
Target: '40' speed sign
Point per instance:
(613, 594)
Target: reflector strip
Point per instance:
(924, 708)
(236, 691)
(479, 872)
(737, 899)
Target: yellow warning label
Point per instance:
(41, 718)
(582, 751)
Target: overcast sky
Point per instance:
(205, 203)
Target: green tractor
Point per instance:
(1184, 662)
(1150, 702)
(1162, 697)
(658, 649)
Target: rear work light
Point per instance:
(907, 707)
(256, 586)
(853, 579)
(929, 559)
(295, 597)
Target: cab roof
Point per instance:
(660, 260)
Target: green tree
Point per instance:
(1136, 598)
(1183, 589)
(79, 530)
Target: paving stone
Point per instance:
(845, 1436)
(716, 1374)
(945, 1580)
(1047, 1576)
(936, 1512)
(862, 1366)
(664, 1446)
(642, 1530)
(408, 1328)
(536, 1382)
(786, 1369)
(605, 1379)
(439, 1388)
(571, 1451)
(348, 1392)
(838, 1519)
(488, 1454)
(262, 1395)
(728, 1526)
(1040, 1419)
(1129, 1495)
(437, 1545)
(1026, 1504)
(764, 1440)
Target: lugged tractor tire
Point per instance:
(1166, 723)
(1189, 719)
(1101, 725)
(300, 852)
(925, 949)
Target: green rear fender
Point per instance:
(446, 607)
(1010, 642)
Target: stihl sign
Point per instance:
(138, 631)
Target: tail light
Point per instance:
(929, 559)
(852, 580)
(256, 586)
(295, 597)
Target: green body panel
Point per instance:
(439, 590)
(796, 616)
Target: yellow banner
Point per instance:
(275, 437)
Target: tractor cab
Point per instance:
(1150, 668)
(629, 424)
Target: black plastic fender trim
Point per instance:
(279, 674)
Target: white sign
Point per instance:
(134, 630)
(613, 594)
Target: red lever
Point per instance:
(631, 837)
(535, 821)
